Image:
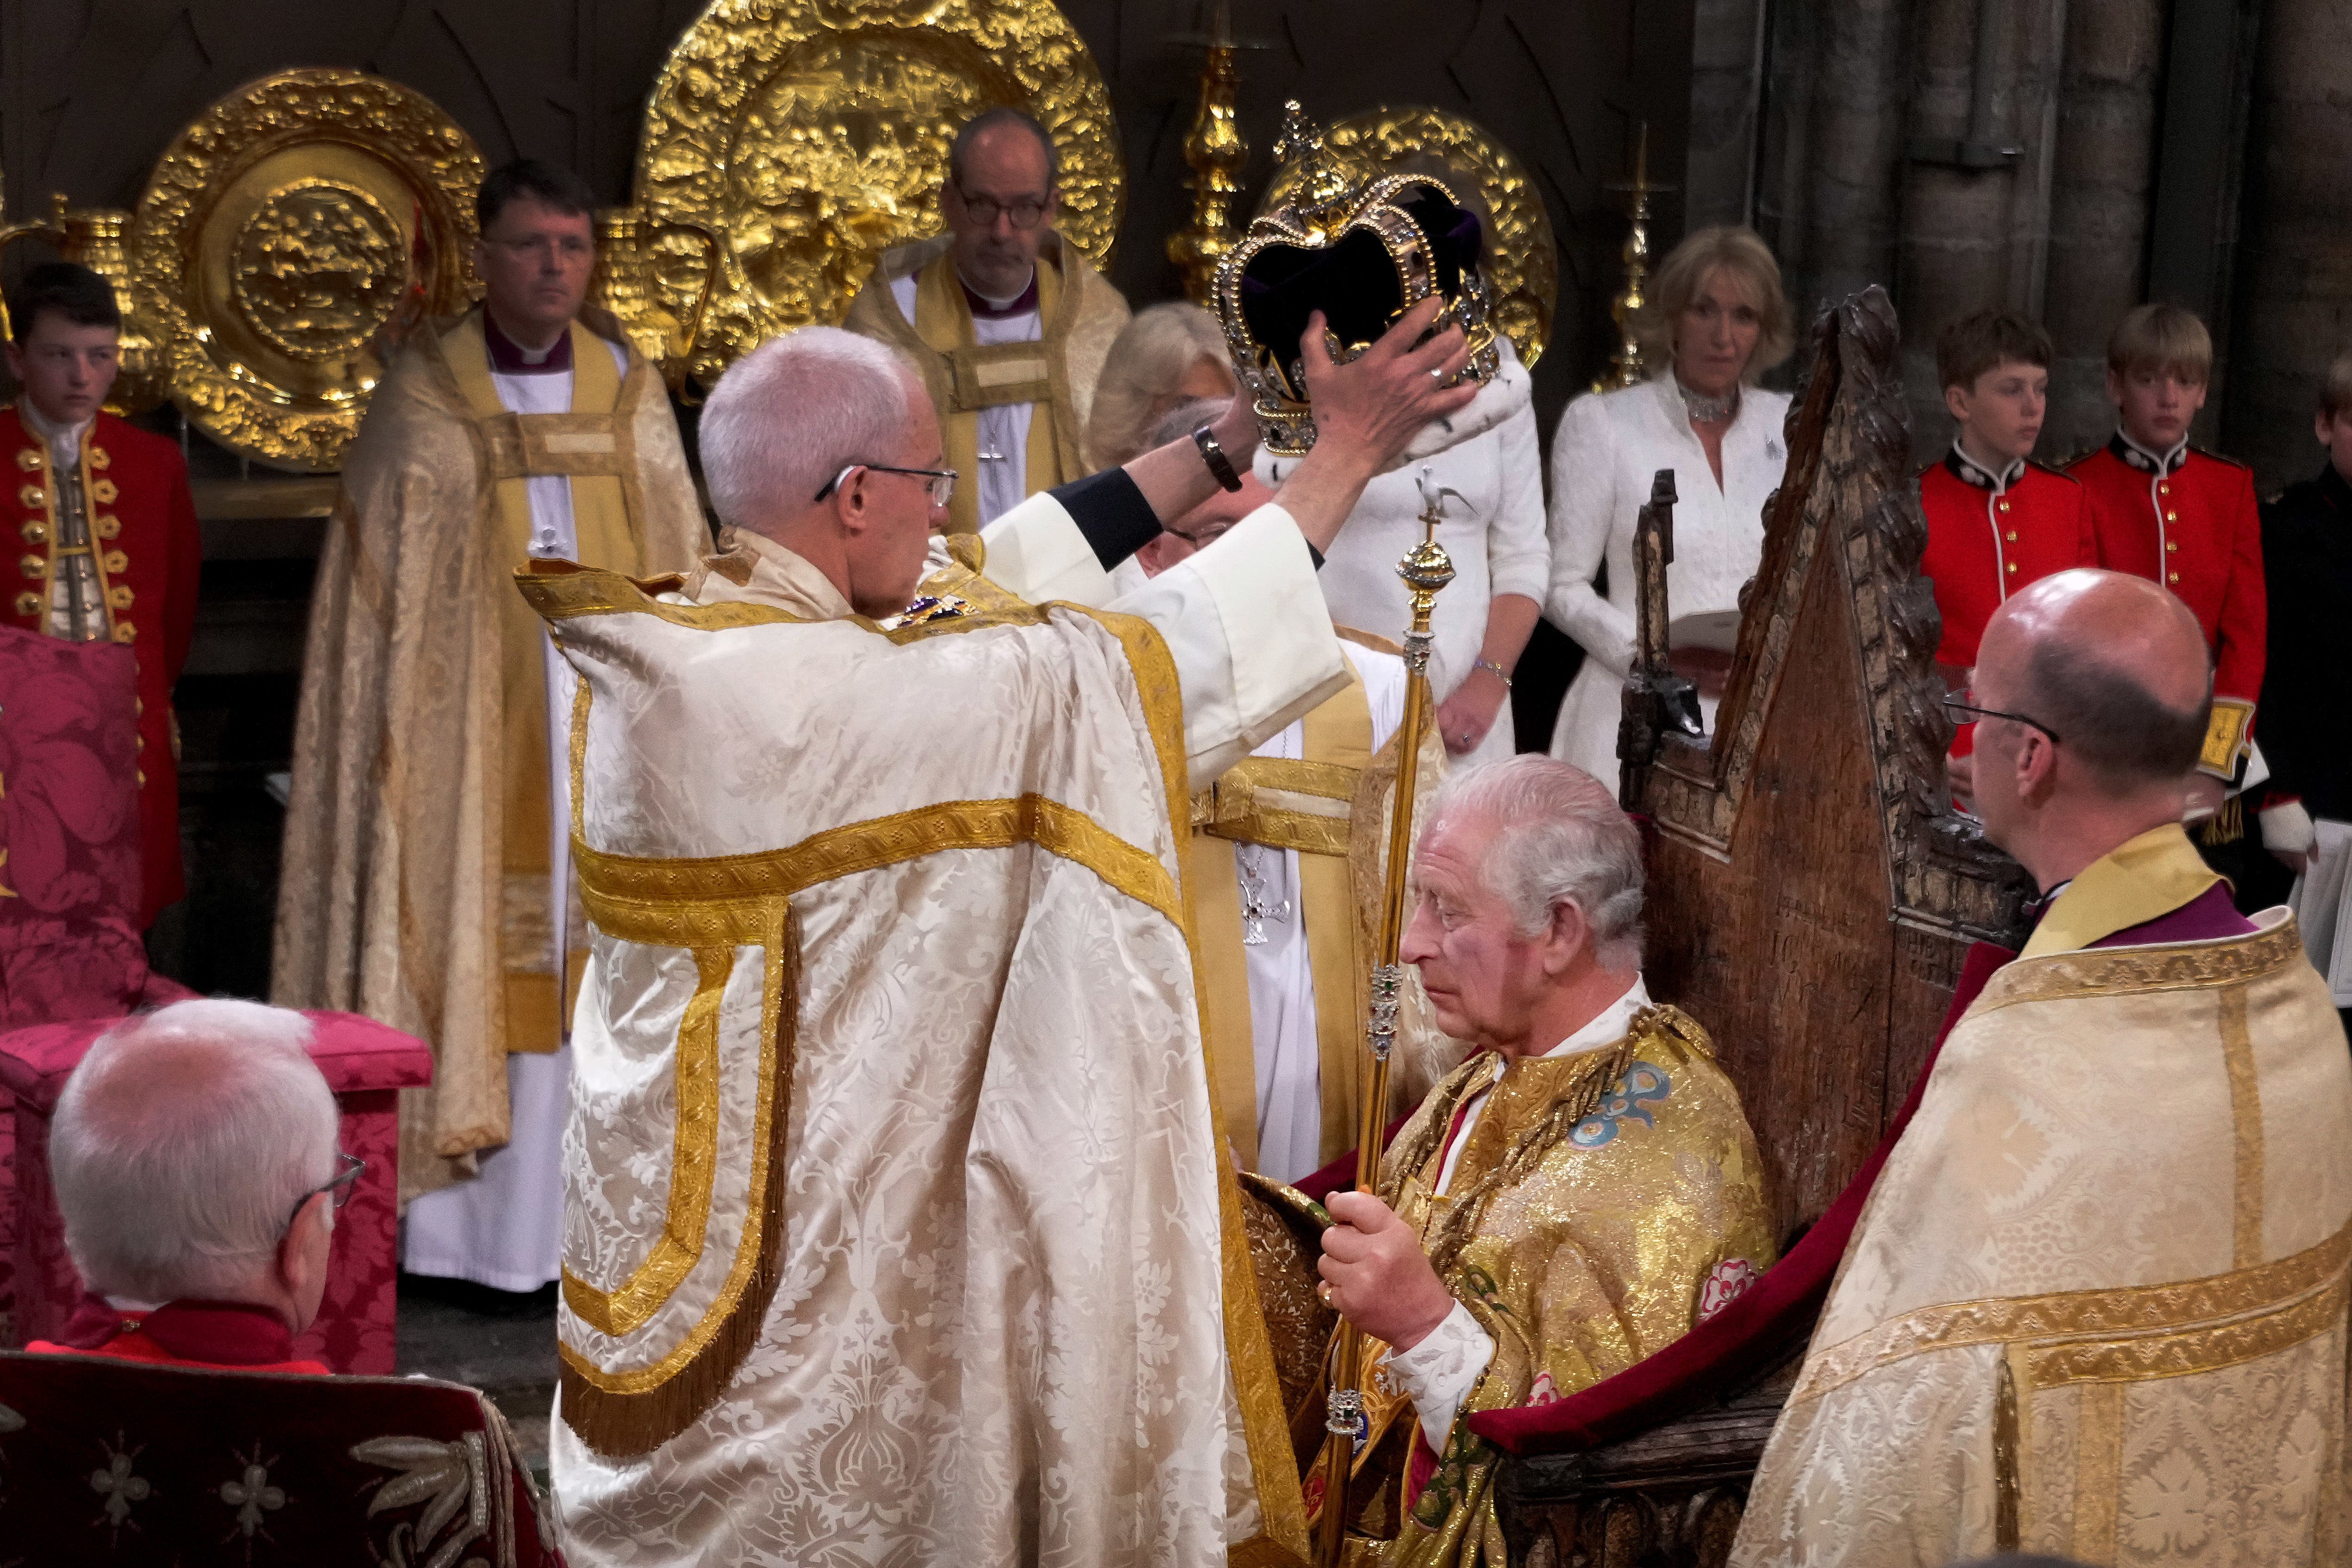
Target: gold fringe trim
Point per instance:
(619, 1421)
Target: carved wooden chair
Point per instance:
(1813, 901)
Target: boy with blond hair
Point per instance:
(1995, 518)
(2183, 517)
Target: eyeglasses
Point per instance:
(570, 249)
(1026, 212)
(942, 485)
(341, 1187)
(1957, 703)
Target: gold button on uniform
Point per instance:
(2012, 536)
(2170, 545)
(2175, 578)
(2012, 567)
(116, 562)
(2172, 516)
(2164, 489)
(2004, 506)
(28, 603)
(33, 565)
(33, 497)
(28, 458)
(97, 457)
(35, 531)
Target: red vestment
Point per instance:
(144, 540)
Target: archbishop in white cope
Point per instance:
(895, 1229)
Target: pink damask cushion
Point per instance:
(69, 891)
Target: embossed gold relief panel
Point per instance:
(285, 243)
(809, 135)
(1522, 264)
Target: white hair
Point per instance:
(794, 413)
(1152, 353)
(182, 1144)
(1560, 839)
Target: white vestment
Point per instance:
(1003, 478)
(1493, 531)
(1604, 456)
(1281, 981)
(505, 1227)
(896, 1231)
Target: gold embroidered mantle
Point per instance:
(892, 1185)
(1607, 1190)
(2097, 1304)
(392, 902)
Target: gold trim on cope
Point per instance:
(694, 1166)
(2132, 1325)
(288, 240)
(808, 135)
(2124, 971)
(2246, 1119)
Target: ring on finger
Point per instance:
(1438, 374)
(1323, 1293)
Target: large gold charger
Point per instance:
(1522, 264)
(810, 135)
(286, 240)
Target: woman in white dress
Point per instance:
(1494, 530)
(1716, 321)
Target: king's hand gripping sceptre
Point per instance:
(1425, 569)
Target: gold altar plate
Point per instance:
(811, 135)
(288, 239)
(1522, 263)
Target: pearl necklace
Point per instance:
(1705, 410)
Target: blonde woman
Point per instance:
(1716, 321)
(1165, 355)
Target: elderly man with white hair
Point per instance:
(194, 1152)
(1579, 1192)
(896, 1228)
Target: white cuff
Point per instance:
(2287, 830)
(1438, 1374)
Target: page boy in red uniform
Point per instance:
(2183, 518)
(1997, 520)
(104, 527)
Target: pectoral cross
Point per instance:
(1255, 909)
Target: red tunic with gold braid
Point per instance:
(2189, 520)
(1989, 536)
(146, 553)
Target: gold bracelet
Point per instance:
(1500, 673)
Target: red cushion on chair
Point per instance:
(352, 1054)
(69, 943)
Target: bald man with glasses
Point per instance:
(1005, 320)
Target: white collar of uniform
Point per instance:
(64, 440)
(1608, 1027)
(787, 579)
(1977, 474)
(2148, 459)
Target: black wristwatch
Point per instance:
(1215, 456)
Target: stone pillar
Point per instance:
(2101, 185)
(2295, 311)
(1833, 127)
(1727, 68)
(1976, 186)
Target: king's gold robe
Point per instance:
(415, 887)
(1600, 1203)
(2096, 1305)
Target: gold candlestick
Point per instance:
(1216, 152)
(1629, 364)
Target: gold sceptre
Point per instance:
(1425, 569)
